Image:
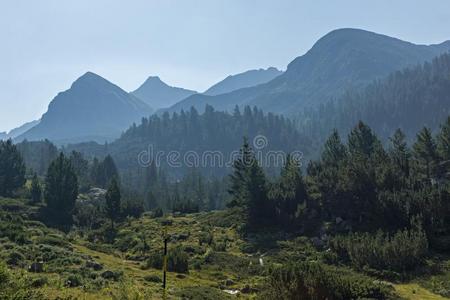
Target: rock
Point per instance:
(36, 267)
(229, 282)
(181, 276)
(247, 289)
(94, 265)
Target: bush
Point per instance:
(404, 251)
(177, 261)
(15, 258)
(157, 213)
(313, 280)
(73, 280)
(39, 282)
(16, 287)
(206, 238)
(152, 278)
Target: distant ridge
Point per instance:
(243, 80)
(92, 109)
(341, 60)
(157, 94)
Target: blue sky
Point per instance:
(46, 45)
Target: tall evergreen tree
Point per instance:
(61, 189)
(36, 190)
(443, 146)
(104, 172)
(112, 198)
(12, 169)
(241, 172)
(289, 193)
(426, 155)
(334, 150)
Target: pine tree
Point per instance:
(36, 190)
(259, 212)
(443, 146)
(425, 154)
(400, 153)
(240, 175)
(112, 198)
(61, 189)
(334, 151)
(12, 169)
(104, 172)
(289, 193)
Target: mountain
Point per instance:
(243, 80)
(341, 60)
(92, 109)
(13, 133)
(22, 129)
(158, 94)
(408, 99)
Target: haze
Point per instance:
(46, 45)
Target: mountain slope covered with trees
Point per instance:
(341, 60)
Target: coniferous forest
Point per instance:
(326, 180)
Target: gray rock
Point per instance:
(36, 267)
(94, 265)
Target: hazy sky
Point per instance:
(45, 45)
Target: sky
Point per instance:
(45, 45)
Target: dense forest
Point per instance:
(406, 99)
(191, 132)
(367, 210)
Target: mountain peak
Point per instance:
(159, 94)
(243, 80)
(154, 81)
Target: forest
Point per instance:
(361, 221)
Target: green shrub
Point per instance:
(313, 280)
(15, 258)
(206, 237)
(157, 213)
(39, 282)
(177, 261)
(401, 252)
(16, 287)
(201, 293)
(152, 278)
(74, 280)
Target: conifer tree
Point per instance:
(113, 198)
(425, 154)
(12, 169)
(61, 189)
(36, 190)
(240, 175)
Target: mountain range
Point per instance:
(243, 80)
(341, 60)
(13, 133)
(92, 109)
(157, 94)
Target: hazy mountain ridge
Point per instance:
(341, 60)
(13, 133)
(242, 80)
(157, 94)
(92, 109)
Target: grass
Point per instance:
(413, 291)
(217, 260)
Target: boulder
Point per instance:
(36, 267)
(94, 265)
